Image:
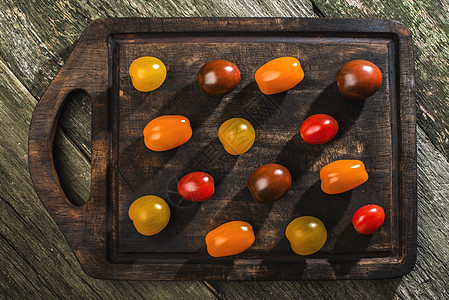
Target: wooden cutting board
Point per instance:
(380, 131)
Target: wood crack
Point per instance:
(212, 290)
(79, 146)
(316, 10)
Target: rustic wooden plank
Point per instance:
(428, 280)
(147, 172)
(38, 38)
(427, 20)
(73, 169)
(74, 17)
(75, 121)
(35, 257)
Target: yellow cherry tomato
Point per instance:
(150, 214)
(237, 135)
(306, 235)
(147, 73)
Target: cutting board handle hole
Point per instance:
(72, 147)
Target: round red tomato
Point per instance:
(318, 129)
(368, 219)
(196, 187)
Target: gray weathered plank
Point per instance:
(428, 22)
(37, 38)
(73, 169)
(35, 258)
(75, 120)
(47, 31)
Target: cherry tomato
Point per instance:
(218, 77)
(358, 79)
(368, 219)
(147, 73)
(237, 135)
(150, 214)
(342, 175)
(306, 235)
(230, 238)
(269, 183)
(318, 129)
(167, 132)
(196, 186)
(279, 75)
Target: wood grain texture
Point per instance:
(428, 280)
(35, 259)
(380, 135)
(41, 36)
(427, 21)
(58, 25)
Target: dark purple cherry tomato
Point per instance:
(358, 79)
(269, 183)
(368, 219)
(318, 129)
(218, 77)
(196, 186)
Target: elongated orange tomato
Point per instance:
(342, 175)
(167, 132)
(230, 238)
(279, 75)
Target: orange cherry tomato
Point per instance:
(279, 75)
(230, 238)
(342, 175)
(167, 132)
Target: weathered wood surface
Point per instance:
(365, 133)
(35, 260)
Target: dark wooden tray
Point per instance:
(380, 131)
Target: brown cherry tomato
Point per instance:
(342, 175)
(358, 79)
(218, 77)
(167, 132)
(230, 238)
(269, 183)
(318, 129)
(368, 219)
(279, 75)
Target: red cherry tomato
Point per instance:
(318, 129)
(368, 219)
(196, 187)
